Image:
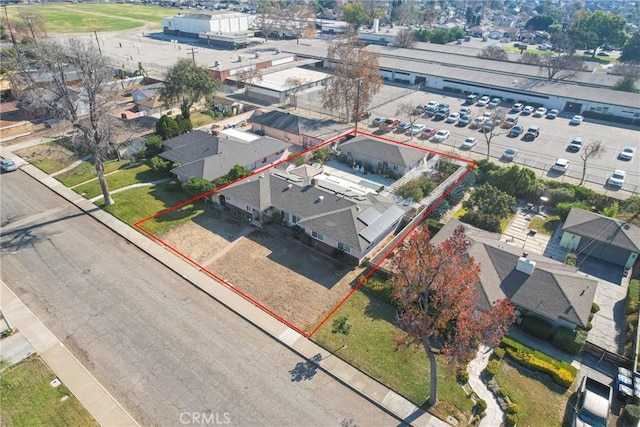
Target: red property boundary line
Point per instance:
(139, 225)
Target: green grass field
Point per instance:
(82, 18)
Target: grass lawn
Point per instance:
(27, 399)
(136, 204)
(546, 225)
(86, 171)
(541, 402)
(118, 179)
(199, 119)
(371, 349)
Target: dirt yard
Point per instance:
(53, 152)
(288, 278)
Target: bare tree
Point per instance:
(248, 76)
(356, 77)
(87, 106)
(493, 126)
(28, 24)
(294, 84)
(593, 150)
(407, 109)
(405, 38)
(268, 18)
(494, 53)
(557, 66)
(626, 69)
(301, 19)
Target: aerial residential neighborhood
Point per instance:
(320, 213)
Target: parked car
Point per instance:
(627, 153)
(516, 131)
(575, 145)
(603, 54)
(419, 109)
(417, 129)
(469, 142)
(441, 135)
(495, 102)
(482, 102)
(478, 122)
(617, 178)
(553, 113)
(540, 111)
(532, 133)
(528, 110)
(430, 110)
(390, 124)
(517, 107)
(488, 126)
(403, 127)
(576, 120)
(428, 133)
(594, 404)
(453, 117)
(464, 111)
(472, 99)
(442, 113)
(509, 154)
(8, 165)
(511, 121)
(378, 121)
(464, 120)
(561, 165)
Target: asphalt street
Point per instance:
(170, 354)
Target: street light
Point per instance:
(357, 118)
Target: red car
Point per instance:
(390, 124)
(428, 133)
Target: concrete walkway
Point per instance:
(494, 415)
(128, 187)
(359, 382)
(71, 166)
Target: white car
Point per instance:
(478, 122)
(627, 153)
(541, 111)
(378, 121)
(517, 107)
(495, 102)
(417, 129)
(577, 119)
(453, 117)
(441, 135)
(483, 101)
(552, 114)
(617, 178)
(561, 165)
(509, 154)
(528, 110)
(433, 104)
(8, 165)
(470, 142)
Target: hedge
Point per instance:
(568, 340)
(537, 327)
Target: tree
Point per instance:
(539, 23)
(196, 186)
(411, 111)
(342, 327)
(268, 18)
(592, 30)
(248, 76)
(517, 181)
(355, 14)
(405, 38)
(153, 146)
(294, 84)
(436, 292)
(167, 127)
(631, 49)
(558, 66)
(488, 200)
(29, 24)
(88, 106)
(302, 21)
(626, 84)
(493, 127)
(352, 67)
(593, 150)
(495, 53)
(188, 83)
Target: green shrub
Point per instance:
(483, 221)
(568, 340)
(503, 392)
(537, 327)
(562, 209)
(561, 195)
(498, 352)
(462, 376)
(595, 307)
(511, 419)
(633, 296)
(513, 408)
(481, 405)
(380, 286)
(160, 165)
(632, 414)
(571, 259)
(493, 367)
(153, 146)
(196, 186)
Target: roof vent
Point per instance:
(525, 254)
(320, 198)
(525, 265)
(289, 187)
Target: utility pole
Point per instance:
(193, 54)
(95, 33)
(357, 119)
(13, 39)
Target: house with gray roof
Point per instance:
(535, 285)
(207, 156)
(297, 130)
(608, 239)
(335, 213)
(381, 155)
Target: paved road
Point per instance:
(166, 351)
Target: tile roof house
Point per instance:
(595, 235)
(383, 156)
(295, 129)
(335, 213)
(207, 156)
(536, 285)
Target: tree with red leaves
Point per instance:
(436, 289)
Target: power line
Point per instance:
(193, 54)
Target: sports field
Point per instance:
(82, 18)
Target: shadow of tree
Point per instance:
(305, 370)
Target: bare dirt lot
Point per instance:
(288, 278)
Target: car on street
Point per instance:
(482, 102)
(478, 122)
(528, 110)
(453, 117)
(417, 129)
(403, 127)
(495, 102)
(560, 166)
(428, 132)
(8, 165)
(540, 112)
(378, 121)
(509, 154)
(464, 120)
(627, 153)
(441, 135)
(617, 178)
(603, 54)
(469, 142)
(575, 145)
(552, 114)
(576, 120)
(516, 131)
(517, 107)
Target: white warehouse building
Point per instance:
(194, 24)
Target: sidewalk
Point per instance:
(359, 382)
(494, 415)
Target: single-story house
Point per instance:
(147, 101)
(336, 213)
(207, 156)
(146, 92)
(595, 235)
(383, 156)
(297, 130)
(535, 285)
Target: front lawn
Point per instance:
(27, 398)
(370, 348)
(86, 171)
(546, 225)
(49, 157)
(118, 179)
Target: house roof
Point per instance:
(553, 290)
(391, 153)
(297, 125)
(148, 91)
(152, 102)
(208, 156)
(331, 214)
(603, 229)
